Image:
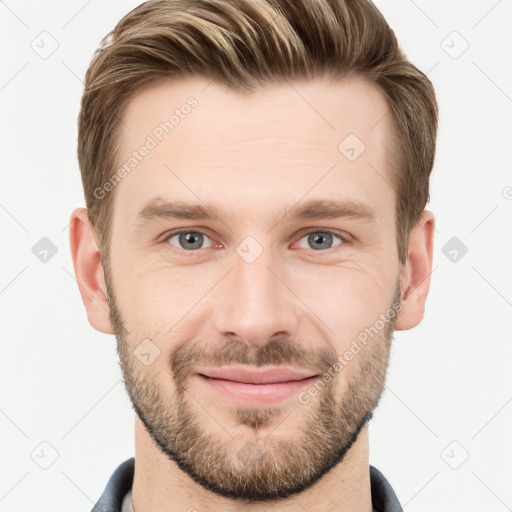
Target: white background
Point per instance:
(449, 383)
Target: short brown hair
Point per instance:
(243, 44)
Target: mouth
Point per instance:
(247, 376)
(256, 386)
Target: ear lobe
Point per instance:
(89, 270)
(416, 273)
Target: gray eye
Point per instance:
(318, 240)
(189, 240)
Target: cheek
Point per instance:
(351, 302)
(164, 303)
(159, 308)
(348, 296)
(153, 295)
(345, 296)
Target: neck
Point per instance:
(159, 484)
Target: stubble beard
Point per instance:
(243, 465)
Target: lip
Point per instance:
(267, 376)
(259, 387)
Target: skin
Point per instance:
(293, 306)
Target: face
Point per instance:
(253, 235)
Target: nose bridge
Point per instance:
(255, 304)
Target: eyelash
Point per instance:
(345, 239)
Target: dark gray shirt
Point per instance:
(383, 497)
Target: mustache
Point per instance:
(279, 352)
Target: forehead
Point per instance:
(194, 139)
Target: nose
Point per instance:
(254, 304)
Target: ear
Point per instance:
(89, 270)
(416, 272)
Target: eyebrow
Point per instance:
(314, 209)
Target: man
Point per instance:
(256, 174)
